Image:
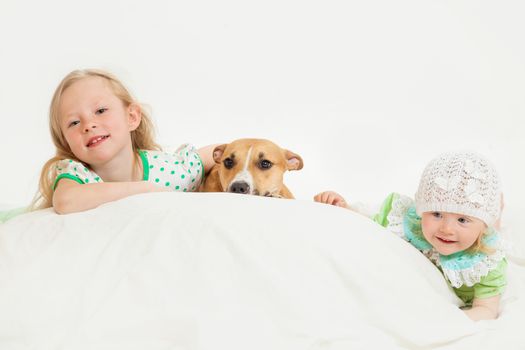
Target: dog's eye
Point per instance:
(228, 163)
(265, 164)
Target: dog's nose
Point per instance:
(239, 187)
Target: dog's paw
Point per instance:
(272, 194)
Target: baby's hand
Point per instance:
(331, 197)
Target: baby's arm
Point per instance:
(206, 154)
(484, 309)
(332, 198)
(71, 197)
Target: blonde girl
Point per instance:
(105, 148)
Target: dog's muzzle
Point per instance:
(240, 187)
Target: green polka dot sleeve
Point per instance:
(181, 170)
(76, 171)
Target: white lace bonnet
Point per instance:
(463, 183)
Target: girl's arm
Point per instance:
(484, 309)
(206, 154)
(71, 197)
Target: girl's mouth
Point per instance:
(97, 140)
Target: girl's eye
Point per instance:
(265, 164)
(101, 110)
(228, 163)
(73, 123)
(436, 214)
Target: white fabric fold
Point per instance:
(223, 271)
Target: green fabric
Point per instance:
(67, 176)
(491, 285)
(202, 167)
(386, 207)
(181, 170)
(9, 214)
(145, 165)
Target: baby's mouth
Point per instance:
(95, 140)
(444, 240)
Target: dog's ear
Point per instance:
(294, 161)
(218, 151)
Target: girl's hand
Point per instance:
(151, 187)
(332, 198)
(72, 197)
(206, 154)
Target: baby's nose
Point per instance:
(446, 226)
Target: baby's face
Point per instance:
(450, 233)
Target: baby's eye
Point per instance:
(101, 110)
(436, 214)
(73, 123)
(463, 220)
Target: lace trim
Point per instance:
(469, 276)
(402, 220)
(396, 216)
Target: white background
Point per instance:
(367, 92)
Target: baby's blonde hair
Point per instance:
(141, 138)
(479, 246)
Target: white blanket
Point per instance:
(223, 271)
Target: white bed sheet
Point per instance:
(223, 271)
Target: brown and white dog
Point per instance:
(251, 166)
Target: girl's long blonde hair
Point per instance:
(142, 137)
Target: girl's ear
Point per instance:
(134, 116)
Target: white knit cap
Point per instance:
(462, 183)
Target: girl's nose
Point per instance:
(89, 127)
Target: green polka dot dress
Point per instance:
(181, 170)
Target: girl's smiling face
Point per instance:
(450, 233)
(95, 122)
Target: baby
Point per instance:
(453, 221)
